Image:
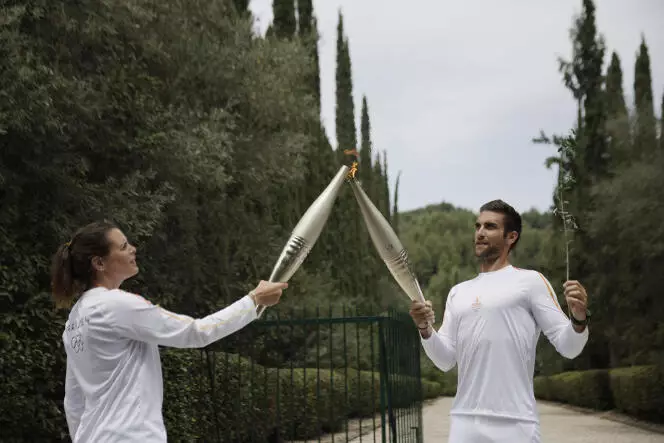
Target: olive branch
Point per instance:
(565, 160)
(565, 184)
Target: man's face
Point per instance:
(490, 239)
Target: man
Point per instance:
(490, 329)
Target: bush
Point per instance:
(446, 380)
(542, 388)
(254, 403)
(589, 389)
(194, 408)
(431, 389)
(639, 391)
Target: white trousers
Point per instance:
(483, 429)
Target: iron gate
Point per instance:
(311, 376)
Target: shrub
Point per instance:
(588, 389)
(639, 391)
(431, 389)
(254, 403)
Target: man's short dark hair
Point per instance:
(511, 216)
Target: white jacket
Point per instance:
(114, 387)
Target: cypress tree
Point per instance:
(309, 33)
(365, 149)
(345, 109)
(661, 127)
(617, 117)
(395, 208)
(284, 24)
(589, 73)
(615, 99)
(645, 137)
(305, 12)
(241, 6)
(385, 188)
(583, 75)
(346, 218)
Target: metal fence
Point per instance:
(320, 375)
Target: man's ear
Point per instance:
(512, 237)
(97, 264)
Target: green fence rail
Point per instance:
(307, 375)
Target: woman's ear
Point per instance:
(98, 264)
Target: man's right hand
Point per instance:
(267, 293)
(423, 316)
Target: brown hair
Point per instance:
(71, 267)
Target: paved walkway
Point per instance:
(558, 425)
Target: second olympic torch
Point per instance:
(387, 244)
(306, 232)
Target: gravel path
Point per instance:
(558, 425)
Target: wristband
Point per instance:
(583, 322)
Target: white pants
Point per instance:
(483, 429)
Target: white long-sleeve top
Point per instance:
(490, 330)
(114, 387)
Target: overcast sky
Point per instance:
(457, 89)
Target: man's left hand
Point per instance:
(576, 298)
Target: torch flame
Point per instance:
(353, 168)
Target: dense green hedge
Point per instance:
(252, 402)
(588, 389)
(446, 380)
(637, 391)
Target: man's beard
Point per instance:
(490, 253)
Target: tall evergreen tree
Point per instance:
(615, 99)
(377, 181)
(395, 208)
(386, 188)
(661, 127)
(588, 70)
(305, 12)
(366, 148)
(309, 33)
(345, 115)
(617, 116)
(347, 218)
(284, 23)
(583, 76)
(587, 160)
(645, 136)
(241, 6)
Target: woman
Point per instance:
(113, 387)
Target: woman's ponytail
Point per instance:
(71, 266)
(62, 281)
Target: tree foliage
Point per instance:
(613, 164)
(202, 140)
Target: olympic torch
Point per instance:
(306, 232)
(387, 243)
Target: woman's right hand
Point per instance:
(267, 293)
